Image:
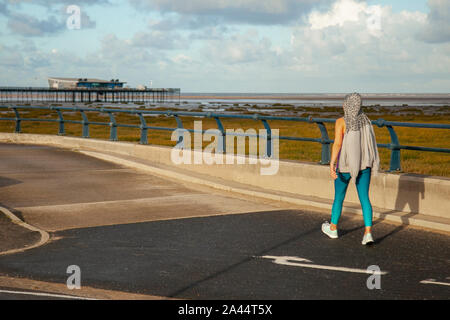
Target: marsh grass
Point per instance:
(426, 163)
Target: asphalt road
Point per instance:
(137, 233)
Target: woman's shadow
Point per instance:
(409, 193)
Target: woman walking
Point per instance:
(354, 157)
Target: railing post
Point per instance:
(395, 150)
(61, 129)
(268, 152)
(18, 121)
(325, 141)
(179, 126)
(394, 146)
(221, 143)
(143, 126)
(113, 127)
(85, 123)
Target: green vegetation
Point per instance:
(428, 163)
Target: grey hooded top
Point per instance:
(359, 147)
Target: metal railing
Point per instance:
(324, 140)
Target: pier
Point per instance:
(36, 94)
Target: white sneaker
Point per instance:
(367, 239)
(326, 229)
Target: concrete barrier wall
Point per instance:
(397, 192)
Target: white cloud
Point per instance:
(236, 11)
(238, 48)
(32, 24)
(182, 59)
(348, 11)
(158, 39)
(341, 44)
(341, 12)
(208, 46)
(350, 38)
(437, 28)
(10, 59)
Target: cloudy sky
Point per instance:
(296, 46)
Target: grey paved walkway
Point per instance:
(137, 233)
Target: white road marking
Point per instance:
(295, 261)
(433, 281)
(82, 205)
(43, 294)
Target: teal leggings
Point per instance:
(362, 186)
